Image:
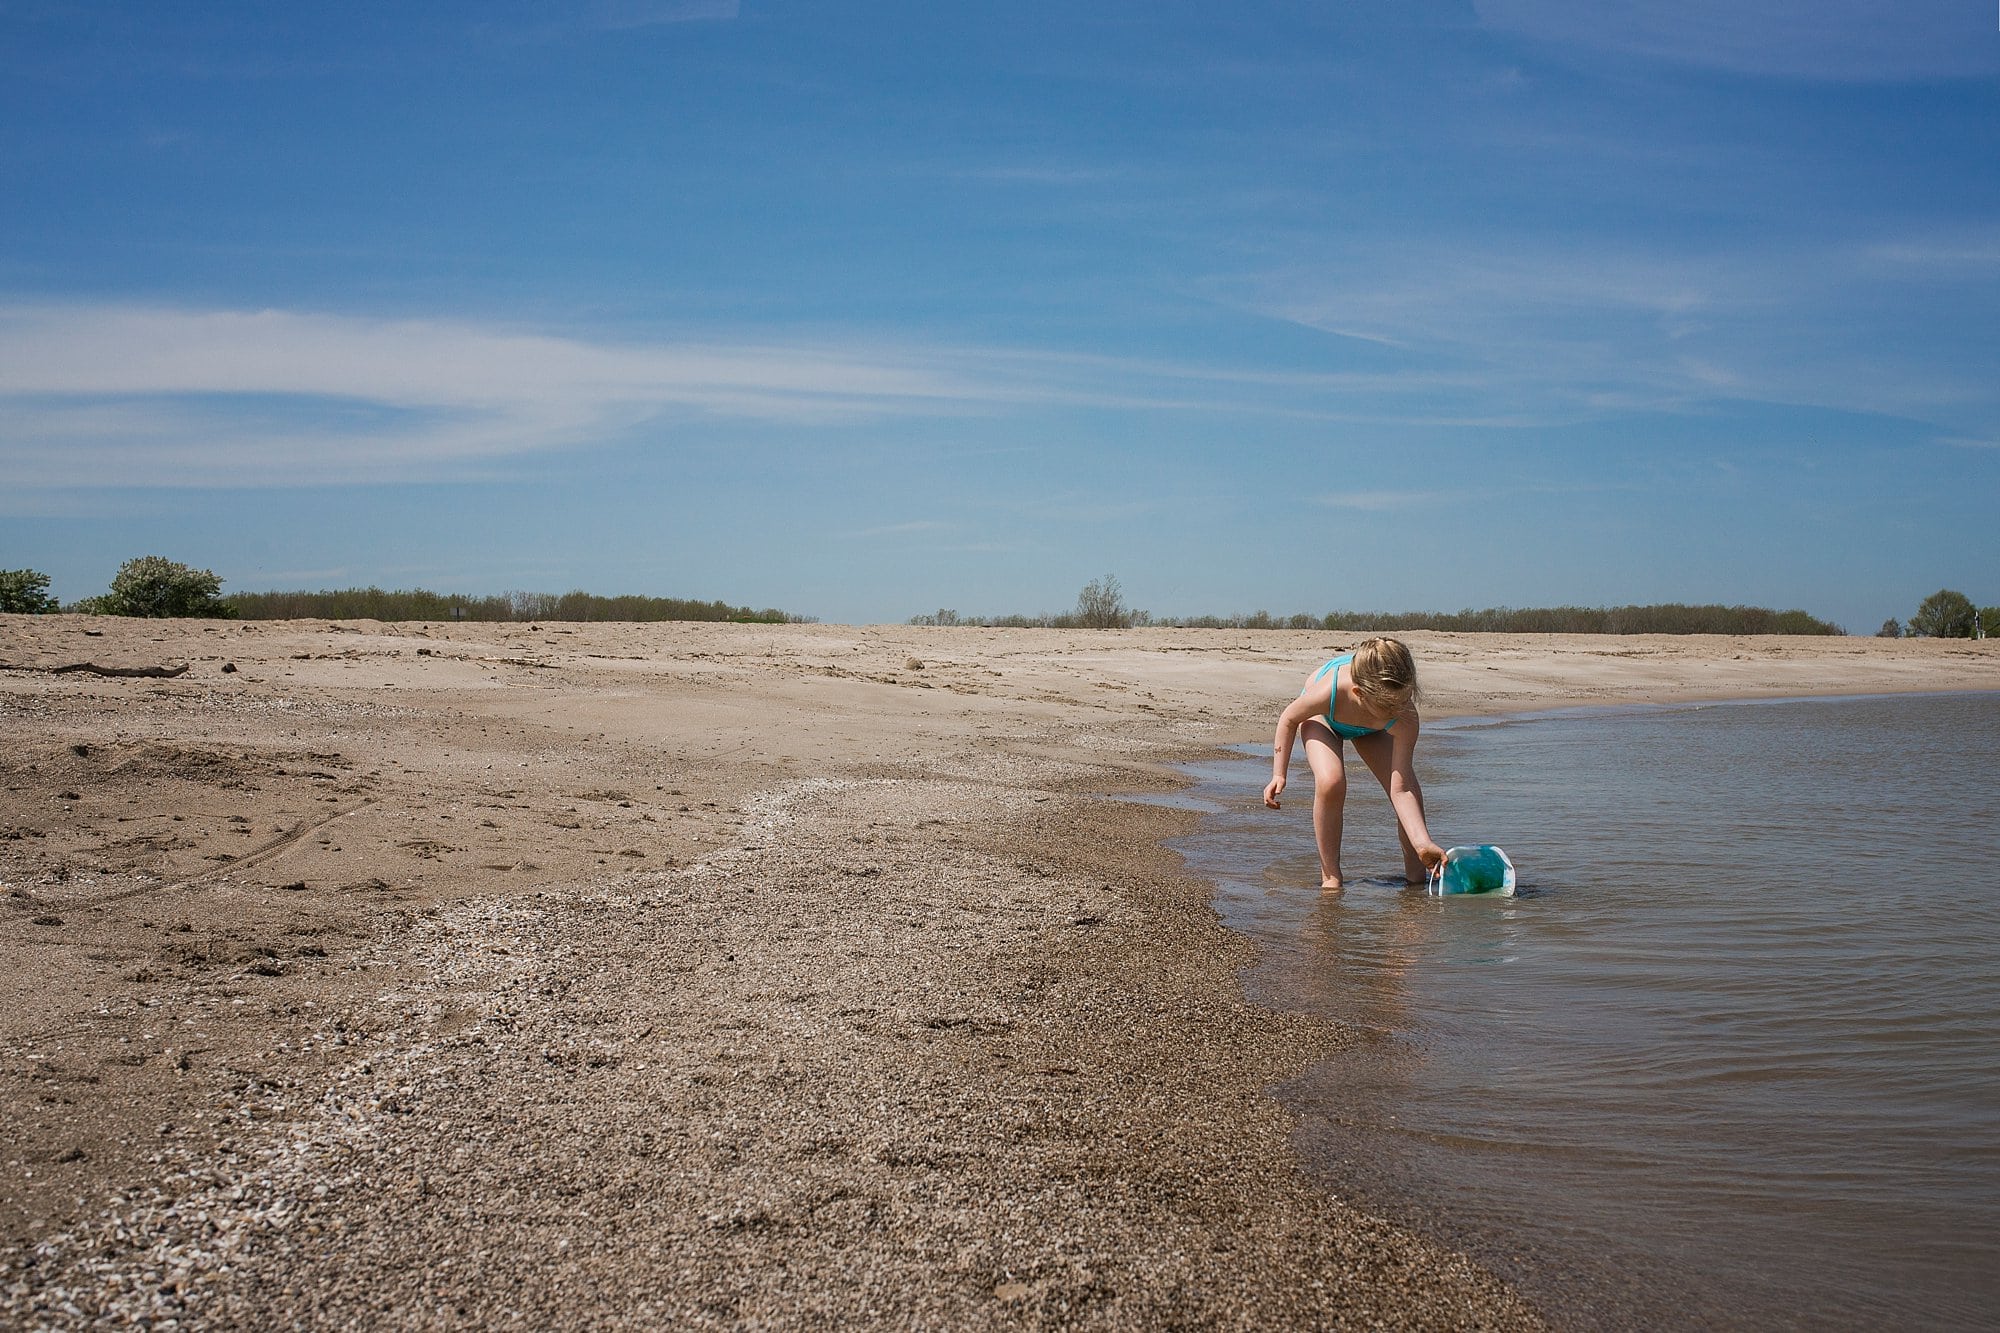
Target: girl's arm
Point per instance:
(1317, 701)
(1403, 790)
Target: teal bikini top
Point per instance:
(1345, 730)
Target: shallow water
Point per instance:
(1733, 1056)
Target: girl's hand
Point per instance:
(1274, 789)
(1431, 855)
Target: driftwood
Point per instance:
(96, 670)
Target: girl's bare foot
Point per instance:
(1331, 883)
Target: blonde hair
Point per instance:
(1384, 675)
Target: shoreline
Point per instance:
(1709, 701)
(1363, 941)
(961, 1041)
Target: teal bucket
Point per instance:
(1483, 869)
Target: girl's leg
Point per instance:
(1329, 797)
(1377, 752)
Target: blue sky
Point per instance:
(867, 309)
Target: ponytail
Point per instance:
(1385, 675)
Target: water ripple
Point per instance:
(1742, 1037)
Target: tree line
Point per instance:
(423, 604)
(1101, 606)
(1946, 614)
(155, 586)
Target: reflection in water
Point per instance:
(1724, 1060)
(1361, 959)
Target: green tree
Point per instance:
(1101, 605)
(1945, 615)
(1892, 628)
(25, 592)
(1989, 621)
(152, 585)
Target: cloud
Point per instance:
(1466, 334)
(1971, 252)
(135, 396)
(1379, 502)
(1045, 174)
(1502, 332)
(909, 529)
(539, 22)
(1834, 40)
(1506, 330)
(623, 14)
(325, 576)
(159, 397)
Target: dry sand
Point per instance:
(687, 975)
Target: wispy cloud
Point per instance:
(135, 396)
(538, 22)
(132, 396)
(1041, 174)
(1516, 327)
(1468, 334)
(326, 576)
(620, 14)
(912, 528)
(1078, 506)
(1384, 501)
(1975, 251)
(1847, 40)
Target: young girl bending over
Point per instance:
(1368, 696)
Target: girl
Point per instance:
(1369, 697)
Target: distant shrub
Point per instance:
(152, 585)
(1892, 628)
(1101, 605)
(25, 592)
(1989, 622)
(938, 617)
(1945, 614)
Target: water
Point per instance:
(1732, 1058)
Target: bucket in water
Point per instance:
(1483, 869)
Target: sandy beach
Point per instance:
(610, 976)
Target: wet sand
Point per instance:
(708, 975)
